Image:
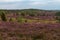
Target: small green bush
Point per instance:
(57, 14)
(20, 19)
(12, 19)
(3, 17)
(40, 37)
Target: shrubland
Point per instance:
(29, 24)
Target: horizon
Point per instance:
(33, 8)
(27, 4)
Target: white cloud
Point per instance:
(46, 0)
(56, 1)
(38, 3)
(16, 4)
(7, 6)
(35, 0)
(9, 0)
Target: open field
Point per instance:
(29, 24)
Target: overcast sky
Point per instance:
(26, 4)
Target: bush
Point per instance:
(57, 14)
(22, 14)
(41, 36)
(20, 19)
(12, 19)
(58, 18)
(3, 17)
(31, 14)
(25, 20)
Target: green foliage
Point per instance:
(20, 19)
(20, 35)
(1, 37)
(17, 14)
(43, 15)
(22, 14)
(39, 37)
(57, 14)
(11, 34)
(58, 18)
(31, 14)
(25, 20)
(3, 17)
(12, 19)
